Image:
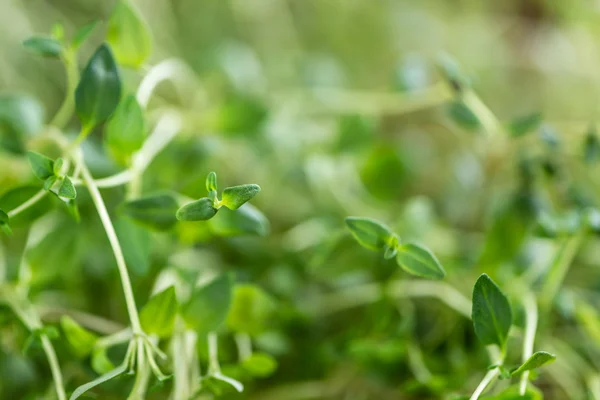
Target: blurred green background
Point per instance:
(336, 108)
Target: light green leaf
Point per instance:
(42, 166)
(208, 307)
(44, 46)
(125, 131)
(369, 233)
(21, 117)
(211, 181)
(129, 35)
(4, 223)
(100, 361)
(235, 196)
(154, 211)
(158, 315)
(49, 183)
(419, 261)
(260, 365)
(251, 311)
(81, 340)
(136, 242)
(121, 369)
(246, 220)
(199, 210)
(491, 314)
(99, 89)
(67, 190)
(58, 164)
(83, 33)
(538, 359)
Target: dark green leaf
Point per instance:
(44, 46)
(370, 233)
(99, 89)
(128, 35)
(82, 33)
(81, 340)
(463, 116)
(252, 310)
(125, 131)
(67, 190)
(211, 182)
(235, 196)
(199, 210)
(538, 359)
(246, 220)
(208, 307)
(158, 315)
(491, 312)
(155, 211)
(591, 147)
(522, 125)
(260, 365)
(42, 166)
(419, 261)
(4, 223)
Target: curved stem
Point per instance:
(66, 109)
(168, 69)
(487, 379)
(531, 319)
(54, 367)
(114, 242)
(34, 199)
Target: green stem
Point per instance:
(34, 199)
(487, 379)
(531, 319)
(66, 109)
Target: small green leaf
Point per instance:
(4, 223)
(44, 46)
(100, 361)
(121, 369)
(81, 340)
(155, 211)
(129, 35)
(211, 182)
(49, 183)
(125, 131)
(208, 307)
(83, 33)
(260, 365)
(491, 314)
(246, 220)
(390, 252)
(42, 166)
(235, 196)
(538, 359)
(419, 261)
(158, 315)
(58, 164)
(525, 124)
(199, 210)
(251, 311)
(370, 233)
(463, 116)
(67, 190)
(99, 89)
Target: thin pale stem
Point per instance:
(487, 379)
(34, 199)
(114, 242)
(172, 69)
(244, 345)
(54, 367)
(531, 320)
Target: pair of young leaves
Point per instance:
(492, 318)
(413, 258)
(50, 171)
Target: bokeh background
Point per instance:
(336, 108)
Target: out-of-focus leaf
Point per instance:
(129, 35)
(125, 131)
(463, 116)
(81, 340)
(21, 116)
(136, 243)
(260, 365)
(44, 46)
(83, 33)
(369, 233)
(208, 307)
(158, 315)
(19, 195)
(155, 211)
(252, 310)
(246, 220)
(538, 359)
(525, 124)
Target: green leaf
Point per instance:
(125, 131)
(99, 89)
(42, 166)
(44, 46)
(121, 369)
(199, 210)
(4, 223)
(235, 196)
(419, 261)
(525, 124)
(58, 164)
(158, 315)
(491, 314)
(136, 243)
(67, 190)
(260, 365)
(154, 211)
(538, 359)
(463, 116)
(21, 117)
(514, 393)
(252, 310)
(370, 233)
(209, 304)
(591, 146)
(129, 35)
(211, 181)
(246, 220)
(83, 33)
(49, 183)
(100, 361)
(81, 340)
